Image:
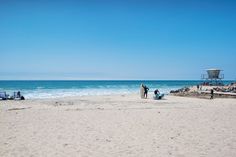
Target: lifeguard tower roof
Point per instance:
(214, 69)
(213, 73)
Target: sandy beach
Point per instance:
(118, 125)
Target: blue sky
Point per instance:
(125, 39)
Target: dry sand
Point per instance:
(121, 125)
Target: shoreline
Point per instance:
(56, 89)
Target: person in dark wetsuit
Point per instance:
(145, 91)
(18, 95)
(156, 92)
(198, 87)
(212, 93)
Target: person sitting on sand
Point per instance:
(156, 92)
(157, 95)
(19, 96)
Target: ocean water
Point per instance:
(54, 89)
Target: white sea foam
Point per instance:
(56, 93)
(40, 87)
(55, 89)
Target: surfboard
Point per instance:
(141, 91)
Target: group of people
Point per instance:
(144, 92)
(157, 95)
(15, 96)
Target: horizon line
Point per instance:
(112, 80)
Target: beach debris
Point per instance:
(63, 103)
(100, 108)
(14, 109)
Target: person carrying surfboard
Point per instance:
(145, 91)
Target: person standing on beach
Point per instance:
(145, 91)
(198, 87)
(212, 93)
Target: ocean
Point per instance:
(53, 89)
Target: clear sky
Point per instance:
(123, 39)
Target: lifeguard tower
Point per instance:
(213, 77)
